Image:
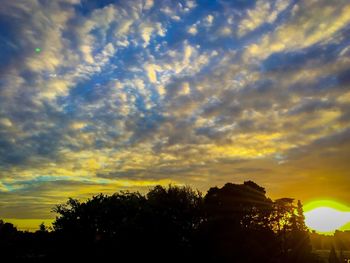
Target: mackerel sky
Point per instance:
(101, 95)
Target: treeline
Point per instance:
(235, 223)
(340, 240)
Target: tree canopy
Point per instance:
(234, 223)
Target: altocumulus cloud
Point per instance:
(129, 94)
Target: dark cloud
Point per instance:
(311, 106)
(344, 77)
(307, 58)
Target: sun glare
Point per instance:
(326, 216)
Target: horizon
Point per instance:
(101, 96)
(33, 225)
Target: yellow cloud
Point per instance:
(314, 25)
(185, 89)
(193, 30)
(146, 32)
(54, 88)
(151, 72)
(255, 17)
(188, 51)
(344, 98)
(77, 125)
(225, 31)
(209, 20)
(324, 117)
(161, 90)
(87, 50)
(5, 122)
(124, 27)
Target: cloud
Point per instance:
(192, 30)
(126, 96)
(5, 122)
(148, 4)
(310, 24)
(263, 12)
(309, 106)
(152, 72)
(209, 20)
(255, 17)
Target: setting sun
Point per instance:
(326, 216)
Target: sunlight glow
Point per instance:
(326, 216)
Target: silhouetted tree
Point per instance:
(342, 257)
(101, 223)
(238, 223)
(235, 223)
(42, 227)
(289, 226)
(300, 218)
(176, 216)
(7, 230)
(299, 240)
(333, 258)
(164, 220)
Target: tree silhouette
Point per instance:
(238, 223)
(333, 258)
(42, 227)
(235, 223)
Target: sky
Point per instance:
(108, 95)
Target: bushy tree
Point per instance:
(163, 220)
(177, 213)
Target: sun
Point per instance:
(326, 216)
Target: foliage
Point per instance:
(235, 223)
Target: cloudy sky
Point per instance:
(103, 95)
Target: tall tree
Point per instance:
(237, 223)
